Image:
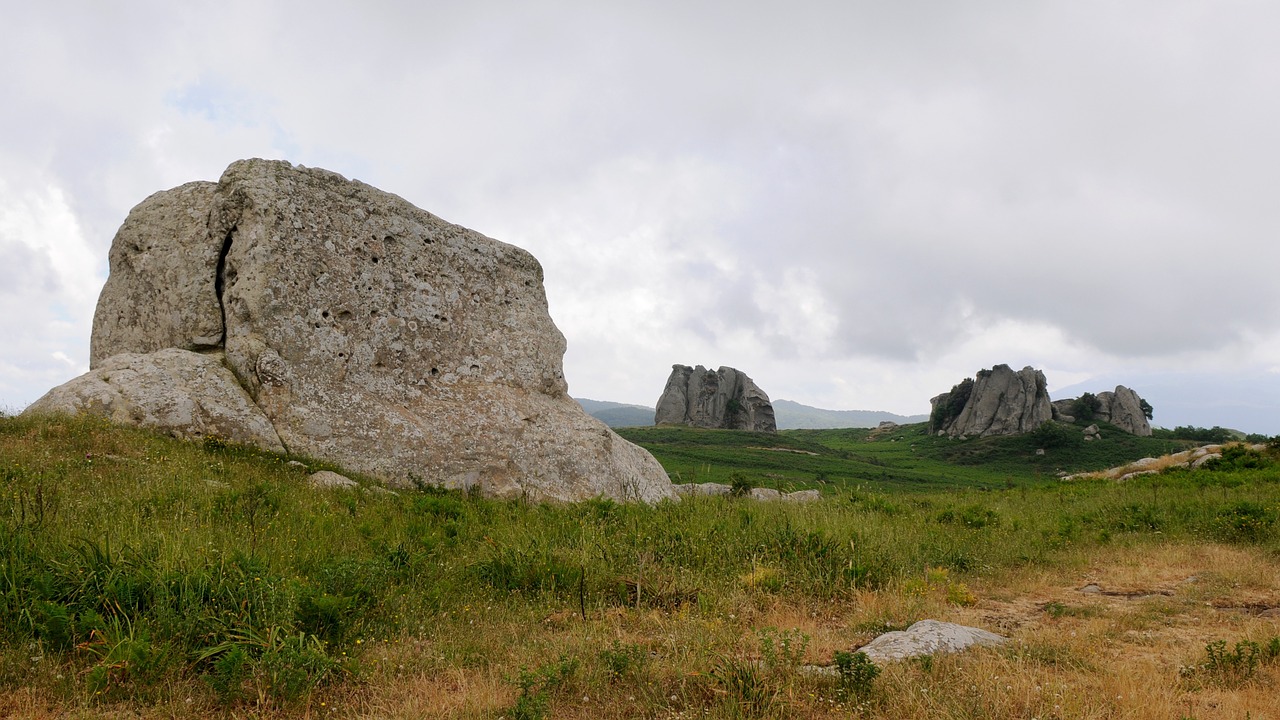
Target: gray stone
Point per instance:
(999, 402)
(162, 290)
(928, 637)
(183, 393)
(765, 494)
(703, 489)
(368, 332)
(327, 479)
(1205, 458)
(802, 496)
(724, 398)
(1123, 408)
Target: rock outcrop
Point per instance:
(928, 637)
(998, 401)
(724, 398)
(1122, 408)
(364, 330)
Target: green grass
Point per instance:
(144, 569)
(904, 459)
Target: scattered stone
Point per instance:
(296, 464)
(765, 494)
(998, 402)
(1039, 451)
(802, 496)
(1132, 475)
(723, 399)
(1091, 589)
(327, 479)
(328, 318)
(928, 637)
(703, 489)
(1205, 458)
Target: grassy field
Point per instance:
(146, 577)
(905, 458)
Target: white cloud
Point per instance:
(856, 204)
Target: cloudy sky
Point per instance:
(856, 203)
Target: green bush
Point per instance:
(857, 674)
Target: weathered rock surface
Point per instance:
(367, 332)
(927, 637)
(724, 398)
(998, 401)
(329, 480)
(183, 393)
(1123, 408)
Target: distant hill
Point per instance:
(1249, 401)
(618, 414)
(790, 415)
(794, 416)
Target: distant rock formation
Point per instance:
(998, 402)
(294, 309)
(1122, 408)
(724, 398)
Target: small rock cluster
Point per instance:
(799, 496)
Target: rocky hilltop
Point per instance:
(998, 401)
(724, 398)
(297, 310)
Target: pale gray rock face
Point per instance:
(369, 332)
(187, 394)
(1001, 402)
(161, 292)
(1123, 408)
(724, 399)
(329, 480)
(927, 637)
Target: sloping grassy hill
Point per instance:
(145, 577)
(900, 459)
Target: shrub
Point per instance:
(857, 674)
(1086, 407)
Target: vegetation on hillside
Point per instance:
(146, 575)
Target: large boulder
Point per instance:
(724, 398)
(1123, 408)
(998, 401)
(367, 332)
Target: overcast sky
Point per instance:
(856, 203)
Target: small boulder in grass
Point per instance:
(327, 479)
(928, 637)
